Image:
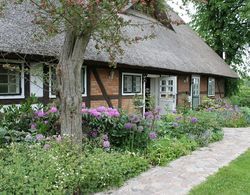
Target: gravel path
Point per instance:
(181, 175)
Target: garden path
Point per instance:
(181, 175)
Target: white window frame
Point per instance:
(19, 96)
(213, 92)
(50, 83)
(130, 74)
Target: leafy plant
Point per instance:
(59, 168)
(167, 149)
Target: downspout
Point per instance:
(144, 96)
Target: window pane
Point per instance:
(127, 88)
(13, 89)
(3, 78)
(163, 89)
(3, 89)
(163, 82)
(137, 85)
(12, 78)
(211, 86)
(3, 70)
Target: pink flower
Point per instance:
(83, 105)
(95, 113)
(106, 144)
(101, 109)
(33, 126)
(152, 135)
(39, 137)
(84, 111)
(53, 109)
(40, 113)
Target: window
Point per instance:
(132, 84)
(10, 81)
(211, 86)
(53, 81)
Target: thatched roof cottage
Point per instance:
(174, 63)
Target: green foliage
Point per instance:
(30, 118)
(197, 125)
(167, 149)
(232, 86)
(242, 98)
(224, 27)
(63, 169)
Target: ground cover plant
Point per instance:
(232, 179)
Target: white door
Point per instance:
(195, 91)
(167, 93)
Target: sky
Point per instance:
(182, 10)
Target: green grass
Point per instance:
(230, 180)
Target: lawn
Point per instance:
(233, 179)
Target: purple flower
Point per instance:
(158, 117)
(128, 126)
(95, 113)
(194, 120)
(174, 111)
(53, 109)
(106, 144)
(101, 109)
(150, 117)
(93, 133)
(39, 137)
(152, 135)
(134, 119)
(83, 105)
(46, 122)
(40, 113)
(105, 137)
(33, 126)
(175, 124)
(46, 146)
(148, 113)
(210, 109)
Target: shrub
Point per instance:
(167, 149)
(30, 118)
(123, 131)
(56, 168)
(197, 125)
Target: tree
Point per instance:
(225, 27)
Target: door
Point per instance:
(167, 93)
(195, 88)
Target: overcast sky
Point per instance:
(178, 7)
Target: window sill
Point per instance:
(11, 97)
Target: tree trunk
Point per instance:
(69, 84)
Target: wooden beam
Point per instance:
(104, 92)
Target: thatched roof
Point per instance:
(180, 50)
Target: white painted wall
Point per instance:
(36, 80)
